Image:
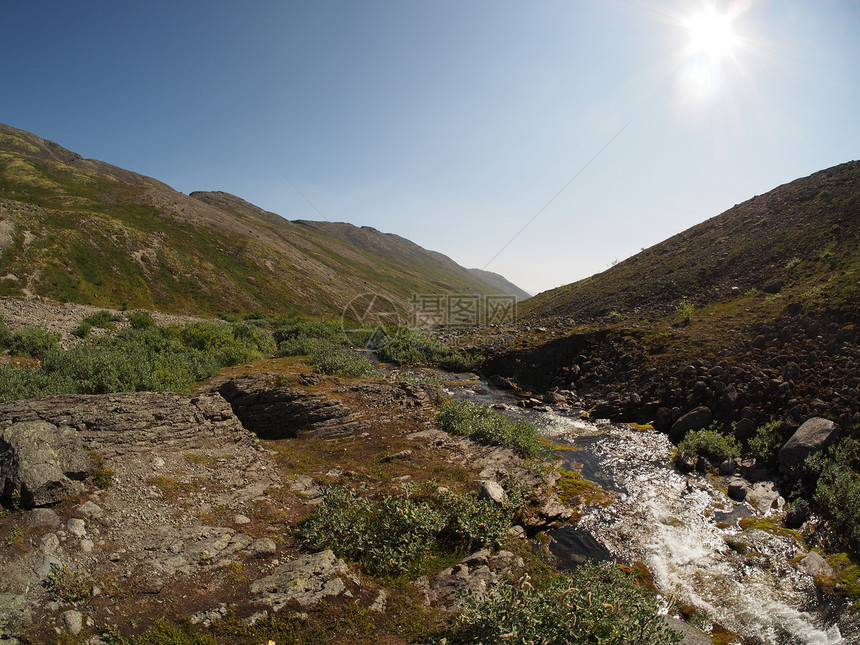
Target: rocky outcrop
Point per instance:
(814, 435)
(476, 574)
(134, 423)
(41, 464)
(305, 580)
(273, 411)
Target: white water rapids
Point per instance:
(667, 521)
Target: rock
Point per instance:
(797, 514)
(262, 548)
(502, 383)
(44, 517)
(403, 454)
(815, 565)
(774, 286)
(73, 621)
(475, 574)
(554, 397)
(692, 636)
(307, 580)
(685, 463)
(764, 497)
(15, 614)
(90, 509)
(241, 519)
(272, 411)
(518, 532)
(493, 491)
(49, 543)
(811, 437)
(728, 467)
(378, 605)
(696, 419)
(77, 527)
(738, 489)
(39, 462)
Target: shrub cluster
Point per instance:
(407, 347)
(711, 443)
(837, 490)
(487, 425)
(169, 358)
(396, 534)
(596, 604)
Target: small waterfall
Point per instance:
(672, 523)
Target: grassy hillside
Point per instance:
(84, 231)
(800, 242)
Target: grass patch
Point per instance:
(487, 425)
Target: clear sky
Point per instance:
(452, 122)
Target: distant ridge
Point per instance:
(82, 230)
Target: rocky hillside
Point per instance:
(81, 230)
(752, 314)
(799, 242)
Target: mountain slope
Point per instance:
(85, 231)
(800, 240)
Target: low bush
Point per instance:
(710, 443)
(407, 347)
(766, 442)
(83, 329)
(331, 359)
(596, 604)
(34, 342)
(140, 320)
(487, 425)
(396, 534)
(102, 319)
(151, 359)
(837, 491)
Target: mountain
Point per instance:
(82, 230)
(799, 243)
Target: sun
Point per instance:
(711, 34)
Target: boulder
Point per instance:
(40, 462)
(307, 580)
(696, 419)
(493, 491)
(811, 437)
(815, 565)
(797, 514)
(738, 489)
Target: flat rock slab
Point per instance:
(307, 580)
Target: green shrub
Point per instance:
(837, 491)
(710, 443)
(767, 441)
(5, 335)
(102, 319)
(483, 423)
(83, 329)
(140, 320)
(457, 362)
(596, 604)
(330, 359)
(684, 312)
(34, 342)
(406, 347)
(397, 534)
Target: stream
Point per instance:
(686, 532)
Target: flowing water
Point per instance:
(685, 530)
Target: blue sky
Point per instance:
(450, 122)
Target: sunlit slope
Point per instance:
(799, 243)
(81, 230)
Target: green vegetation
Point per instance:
(483, 423)
(103, 319)
(837, 491)
(407, 347)
(766, 442)
(406, 534)
(711, 443)
(171, 358)
(596, 604)
(330, 359)
(684, 312)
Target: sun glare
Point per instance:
(711, 34)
